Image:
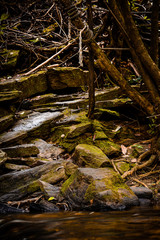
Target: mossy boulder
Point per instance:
(97, 189)
(108, 147)
(90, 155)
(67, 77)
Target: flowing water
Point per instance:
(137, 223)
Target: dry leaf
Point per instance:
(124, 149)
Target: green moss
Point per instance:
(123, 166)
(90, 192)
(108, 147)
(68, 182)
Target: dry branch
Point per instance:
(49, 59)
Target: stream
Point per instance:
(136, 223)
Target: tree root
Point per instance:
(139, 167)
(18, 203)
(140, 182)
(148, 174)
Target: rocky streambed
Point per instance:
(52, 157)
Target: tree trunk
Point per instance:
(153, 90)
(137, 43)
(91, 66)
(154, 31)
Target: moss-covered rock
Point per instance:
(23, 150)
(16, 185)
(28, 85)
(108, 147)
(67, 77)
(90, 155)
(78, 129)
(106, 114)
(97, 189)
(123, 166)
(10, 96)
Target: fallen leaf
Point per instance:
(124, 149)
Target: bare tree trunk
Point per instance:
(152, 88)
(91, 66)
(154, 31)
(138, 44)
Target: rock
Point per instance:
(90, 155)
(114, 103)
(122, 166)
(47, 150)
(6, 122)
(6, 209)
(43, 206)
(28, 85)
(142, 192)
(97, 189)
(55, 175)
(70, 168)
(103, 114)
(10, 96)
(48, 99)
(16, 167)
(73, 104)
(49, 190)
(24, 150)
(67, 77)
(36, 125)
(18, 184)
(3, 157)
(145, 202)
(78, 129)
(108, 147)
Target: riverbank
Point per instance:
(54, 158)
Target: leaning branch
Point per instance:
(49, 59)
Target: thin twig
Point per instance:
(49, 59)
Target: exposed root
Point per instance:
(18, 203)
(139, 167)
(148, 174)
(143, 156)
(140, 182)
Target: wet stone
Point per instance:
(37, 124)
(142, 192)
(24, 150)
